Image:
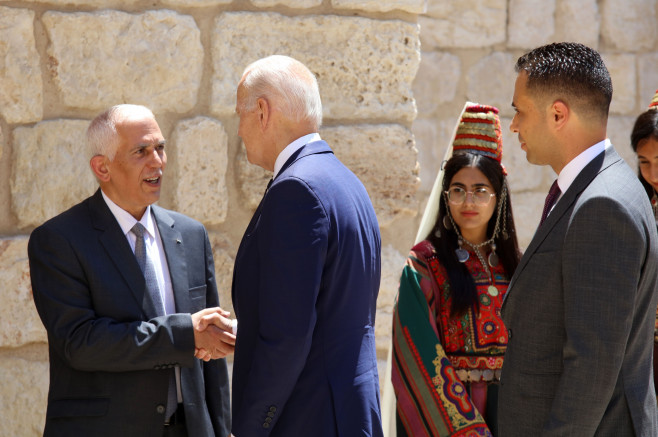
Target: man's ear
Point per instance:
(100, 168)
(264, 112)
(560, 114)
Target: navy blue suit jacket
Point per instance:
(305, 286)
(110, 359)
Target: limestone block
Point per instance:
(527, 208)
(365, 67)
(19, 321)
(619, 132)
(384, 158)
(491, 81)
(392, 264)
(194, 3)
(629, 26)
(252, 180)
(2, 143)
(21, 89)
(53, 152)
(223, 252)
(413, 6)
(463, 24)
(521, 175)
(297, 4)
(104, 58)
(201, 147)
(437, 81)
(531, 23)
(425, 133)
(577, 20)
(647, 69)
(24, 396)
(92, 3)
(622, 72)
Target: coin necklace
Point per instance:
(492, 259)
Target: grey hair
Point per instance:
(288, 84)
(102, 136)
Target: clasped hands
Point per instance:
(213, 334)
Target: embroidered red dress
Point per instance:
(436, 355)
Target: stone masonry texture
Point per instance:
(393, 75)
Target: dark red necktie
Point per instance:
(553, 194)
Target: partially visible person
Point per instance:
(644, 140)
(306, 274)
(448, 337)
(580, 308)
(120, 285)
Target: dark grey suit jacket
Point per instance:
(110, 360)
(580, 310)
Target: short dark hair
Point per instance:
(571, 72)
(646, 126)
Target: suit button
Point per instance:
(270, 414)
(273, 409)
(268, 420)
(160, 409)
(266, 425)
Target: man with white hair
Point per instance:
(120, 285)
(306, 274)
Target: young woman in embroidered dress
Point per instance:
(448, 337)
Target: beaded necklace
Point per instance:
(492, 259)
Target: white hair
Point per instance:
(288, 84)
(102, 136)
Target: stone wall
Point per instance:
(63, 61)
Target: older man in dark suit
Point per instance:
(121, 326)
(581, 306)
(306, 274)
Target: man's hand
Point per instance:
(213, 337)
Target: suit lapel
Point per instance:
(113, 240)
(564, 205)
(172, 242)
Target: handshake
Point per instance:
(213, 334)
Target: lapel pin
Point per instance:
(178, 241)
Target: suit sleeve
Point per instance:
(78, 333)
(293, 236)
(603, 254)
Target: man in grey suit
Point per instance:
(121, 326)
(581, 306)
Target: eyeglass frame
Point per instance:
(466, 193)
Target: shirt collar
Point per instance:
(576, 165)
(126, 220)
(292, 148)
